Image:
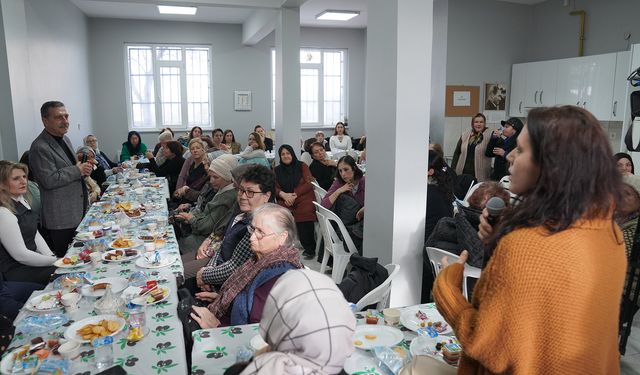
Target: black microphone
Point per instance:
(495, 206)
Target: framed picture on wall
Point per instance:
(495, 97)
(242, 100)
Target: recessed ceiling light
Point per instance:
(168, 9)
(337, 15)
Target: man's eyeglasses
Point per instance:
(258, 232)
(249, 193)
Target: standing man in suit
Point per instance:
(60, 178)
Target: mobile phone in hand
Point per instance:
(84, 158)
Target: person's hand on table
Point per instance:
(202, 250)
(462, 260)
(116, 170)
(207, 296)
(184, 216)
(204, 317)
(485, 230)
(360, 214)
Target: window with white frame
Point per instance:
(169, 85)
(322, 86)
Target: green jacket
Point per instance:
(124, 154)
(216, 214)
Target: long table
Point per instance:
(162, 351)
(215, 350)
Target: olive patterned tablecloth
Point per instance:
(215, 350)
(162, 351)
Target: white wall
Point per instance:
(235, 67)
(554, 33)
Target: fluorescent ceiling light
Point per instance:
(337, 15)
(167, 9)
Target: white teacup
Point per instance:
(70, 301)
(69, 349)
(152, 227)
(149, 246)
(96, 258)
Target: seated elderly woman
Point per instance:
(243, 295)
(24, 255)
(193, 174)
(84, 154)
(172, 166)
(345, 197)
(217, 211)
(105, 165)
(321, 346)
(222, 253)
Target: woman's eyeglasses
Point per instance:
(249, 193)
(258, 232)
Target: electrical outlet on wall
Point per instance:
(78, 126)
(613, 136)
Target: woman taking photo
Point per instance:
(170, 169)
(340, 140)
(322, 169)
(230, 141)
(24, 255)
(243, 295)
(556, 259)
(133, 147)
(254, 153)
(193, 174)
(624, 163)
(294, 191)
(469, 157)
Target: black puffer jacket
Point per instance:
(366, 274)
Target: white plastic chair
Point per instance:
(435, 257)
(380, 294)
(333, 244)
(319, 193)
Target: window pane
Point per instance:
(140, 60)
(309, 95)
(198, 90)
(169, 53)
(309, 56)
(144, 115)
(170, 96)
(332, 113)
(332, 63)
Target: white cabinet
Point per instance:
(570, 76)
(597, 89)
(518, 90)
(621, 87)
(541, 83)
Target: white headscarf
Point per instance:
(308, 324)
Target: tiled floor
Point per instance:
(630, 362)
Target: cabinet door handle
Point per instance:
(541, 91)
(535, 97)
(584, 104)
(520, 107)
(578, 104)
(615, 108)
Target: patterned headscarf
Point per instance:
(308, 324)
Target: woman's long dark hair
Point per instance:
(350, 161)
(578, 178)
(335, 129)
(194, 128)
(442, 174)
(133, 150)
(224, 136)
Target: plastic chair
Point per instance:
(333, 244)
(380, 294)
(319, 193)
(435, 257)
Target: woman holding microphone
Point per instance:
(556, 261)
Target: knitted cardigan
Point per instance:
(544, 304)
(482, 164)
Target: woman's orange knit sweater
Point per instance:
(544, 304)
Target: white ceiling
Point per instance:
(221, 11)
(232, 11)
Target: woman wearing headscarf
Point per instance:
(322, 345)
(243, 295)
(133, 147)
(469, 157)
(501, 144)
(624, 163)
(295, 192)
